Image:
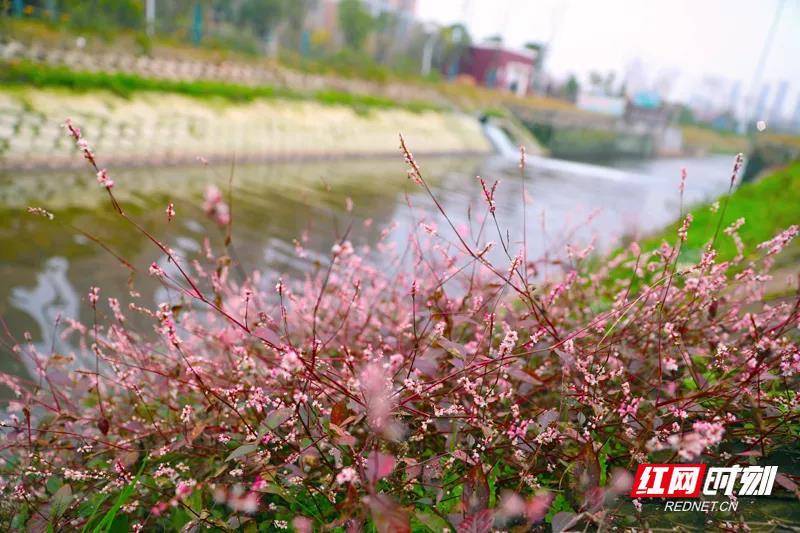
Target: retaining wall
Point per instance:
(160, 128)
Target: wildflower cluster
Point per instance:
(443, 391)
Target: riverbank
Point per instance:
(767, 207)
(156, 128)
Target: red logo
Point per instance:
(668, 481)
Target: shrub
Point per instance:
(434, 390)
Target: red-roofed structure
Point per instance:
(492, 65)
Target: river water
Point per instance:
(47, 267)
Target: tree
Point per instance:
(385, 26)
(596, 80)
(104, 15)
(685, 115)
(455, 40)
(355, 21)
(608, 83)
(571, 88)
(262, 15)
(539, 49)
(296, 12)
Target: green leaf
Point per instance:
(278, 417)
(20, 518)
(560, 504)
(431, 521)
(450, 500)
(492, 479)
(108, 519)
(602, 457)
(179, 518)
(242, 450)
(120, 524)
(60, 501)
(53, 484)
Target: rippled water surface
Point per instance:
(46, 267)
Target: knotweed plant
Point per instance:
(437, 390)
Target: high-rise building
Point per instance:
(405, 8)
(761, 103)
(734, 96)
(776, 112)
(796, 114)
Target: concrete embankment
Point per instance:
(164, 128)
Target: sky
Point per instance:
(683, 43)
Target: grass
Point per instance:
(26, 73)
(709, 140)
(768, 206)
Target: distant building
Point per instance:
(646, 110)
(734, 96)
(495, 66)
(403, 8)
(324, 16)
(761, 103)
(776, 111)
(796, 114)
(600, 103)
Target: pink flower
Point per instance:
(258, 484)
(156, 270)
(682, 186)
(488, 194)
(684, 229)
(215, 207)
(694, 443)
(159, 508)
(779, 242)
(346, 475)
(629, 407)
(291, 362)
(376, 388)
(185, 488)
(170, 211)
(103, 179)
(509, 341)
(72, 130)
(244, 504)
(518, 431)
(94, 294)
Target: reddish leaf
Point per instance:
(536, 508)
(786, 483)
(387, 515)
(563, 521)
(339, 413)
(196, 432)
(476, 490)
(480, 522)
(453, 347)
(103, 425)
(379, 465)
(587, 470)
(353, 526)
(302, 524)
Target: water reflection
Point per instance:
(47, 268)
(51, 299)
